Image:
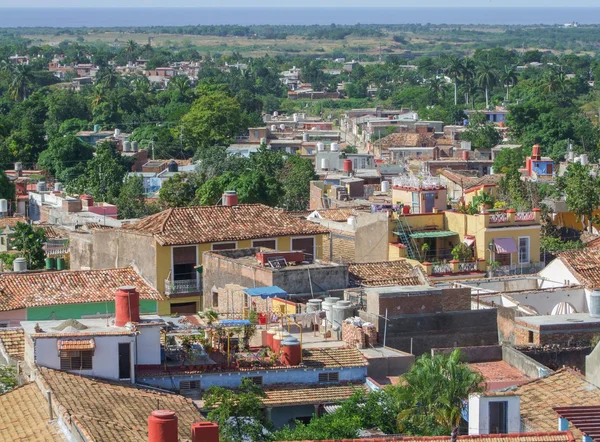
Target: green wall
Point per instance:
(75, 311)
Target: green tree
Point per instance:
(29, 241)
(482, 136)
(131, 201)
(238, 413)
(178, 191)
(582, 192)
(214, 119)
(434, 394)
(295, 182)
(487, 77)
(66, 158)
(20, 84)
(508, 159)
(103, 175)
(508, 77)
(7, 187)
(454, 69)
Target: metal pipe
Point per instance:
(385, 327)
(50, 413)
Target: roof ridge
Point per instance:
(162, 226)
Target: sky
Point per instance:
(306, 3)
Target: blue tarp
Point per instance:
(266, 292)
(234, 322)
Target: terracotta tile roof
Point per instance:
(333, 357)
(75, 344)
(585, 419)
(207, 224)
(114, 411)
(34, 289)
(585, 264)
(554, 436)
(381, 274)
(499, 374)
(52, 232)
(565, 387)
(314, 394)
(406, 140)
(12, 341)
(97, 226)
(340, 215)
(24, 416)
(11, 221)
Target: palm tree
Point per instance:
(22, 77)
(556, 82)
(436, 85)
(487, 77)
(454, 69)
(131, 48)
(141, 84)
(508, 77)
(181, 85)
(107, 77)
(434, 392)
(468, 78)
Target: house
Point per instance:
(167, 247)
(36, 296)
(425, 195)
(497, 115)
(398, 147)
(529, 407)
(466, 184)
(12, 345)
(539, 168)
(387, 273)
(61, 406)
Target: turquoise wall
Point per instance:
(75, 311)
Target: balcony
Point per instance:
(183, 286)
(454, 267)
(511, 218)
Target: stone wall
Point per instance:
(361, 337)
(427, 301)
(439, 330)
(557, 356)
(560, 334)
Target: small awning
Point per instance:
(433, 234)
(234, 322)
(505, 245)
(266, 292)
(76, 344)
(469, 241)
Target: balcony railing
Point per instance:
(183, 286)
(441, 268)
(525, 216)
(498, 218)
(467, 266)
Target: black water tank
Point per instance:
(173, 166)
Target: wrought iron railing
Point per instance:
(525, 216)
(467, 266)
(441, 268)
(183, 286)
(498, 218)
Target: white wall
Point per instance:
(105, 362)
(148, 346)
(544, 302)
(556, 274)
(479, 418)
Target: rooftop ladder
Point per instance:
(404, 234)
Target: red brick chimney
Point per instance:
(127, 306)
(205, 432)
(162, 426)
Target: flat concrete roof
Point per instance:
(383, 352)
(573, 318)
(400, 290)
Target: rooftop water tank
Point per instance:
(173, 167)
(305, 136)
(282, 126)
(41, 186)
(352, 221)
(327, 306)
(18, 166)
(595, 304)
(320, 147)
(385, 186)
(571, 156)
(340, 311)
(263, 141)
(465, 155)
(313, 305)
(230, 198)
(277, 338)
(275, 114)
(325, 163)
(3, 206)
(58, 187)
(335, 147)
(273, 128)
(271, 333)
(117, 132)
(96, 128)
(20, 265)
(295, 117)
(134, 146)
(127, 146)
(292, 351)
(348, 166)
(584, 159)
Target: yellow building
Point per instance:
(508, 238)
(167, 247)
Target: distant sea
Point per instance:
(127, 17)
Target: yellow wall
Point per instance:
(403, 196)
(569, 220)
(486, 236)
(470, 195)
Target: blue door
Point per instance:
(429, 202)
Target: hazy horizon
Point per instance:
(198, 4)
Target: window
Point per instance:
(184, 261)
(189, 385)
(215, 299)
(256, 380)
(524, 250)
(224, 246)
(2, 240)
(498, 417)
(530, 337)
(331, 376)
(76, 360)
(268, 243)
(184, 307)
